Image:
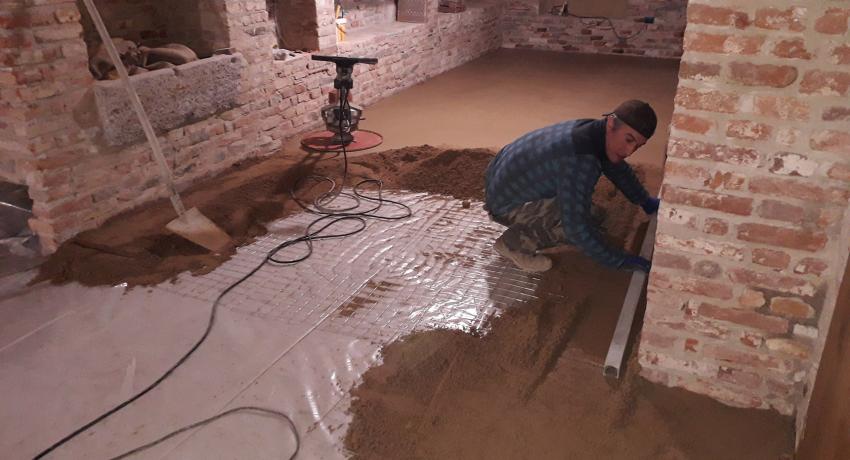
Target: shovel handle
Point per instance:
(164, 170)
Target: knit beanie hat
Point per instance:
(637, 114)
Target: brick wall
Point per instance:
(362, 13)
(296, 22)
(15, 158)
(53, 141)
(527, 24)
(750, 245)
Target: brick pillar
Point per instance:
(15, 158)
(750, 245)
(49, 63)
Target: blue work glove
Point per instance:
(635, 263)
(650, 206)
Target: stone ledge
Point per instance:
(172, 97)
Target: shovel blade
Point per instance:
(198, 229)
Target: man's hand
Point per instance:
(650, 206)
(635, 263)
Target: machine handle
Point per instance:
(345, 61)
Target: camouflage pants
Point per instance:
(533, 226)
(537, 225)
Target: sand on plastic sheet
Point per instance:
(530, 384)
(531, 387)
(135, 248)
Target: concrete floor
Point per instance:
(70, 352)
(495, 99)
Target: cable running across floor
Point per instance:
(328, 217)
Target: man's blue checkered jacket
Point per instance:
(562, 161)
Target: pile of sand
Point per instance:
(135, 248)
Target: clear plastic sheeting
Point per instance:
(292, 338)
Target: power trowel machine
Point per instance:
(340, 117)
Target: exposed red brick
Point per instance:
(63, 207)
(790, 284)
(691, 123)
(698, 71)
(750, 339)
(67, 13)
(707, 327)
(698, 150)
(691, 173)
(774, 186)
(704, 14)
(745, 379)
(701, 246)
(833, 22)
(698, 286)
(746, 318)
(745, 129)
(750, 358)
(715, 226)
(811, 266)
(770, 258)
(744, 45)
(776, 19)
(712, 101)
(751, 299)
(780, 388)
(789, 347)
(709, 200)
(794, 48)
(831, 141)
(708, 269)
(791, 307)
(724, 181)
(665, 259)
(691, 345)
(657, 340)
(825, 83)
(826, 216)
(841, 54)
(775, 76)
(793, 164)
(840, 171)
(38, 16)
(783, 237)
(779, 210)
(836, 114)
(783, 108)
(704, 42)
(678, 217)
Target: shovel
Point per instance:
(190, 224)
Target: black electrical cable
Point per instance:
(332, 217)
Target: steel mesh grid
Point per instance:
(436, 269)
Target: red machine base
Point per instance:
(322, 141)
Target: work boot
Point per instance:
(526, 262)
